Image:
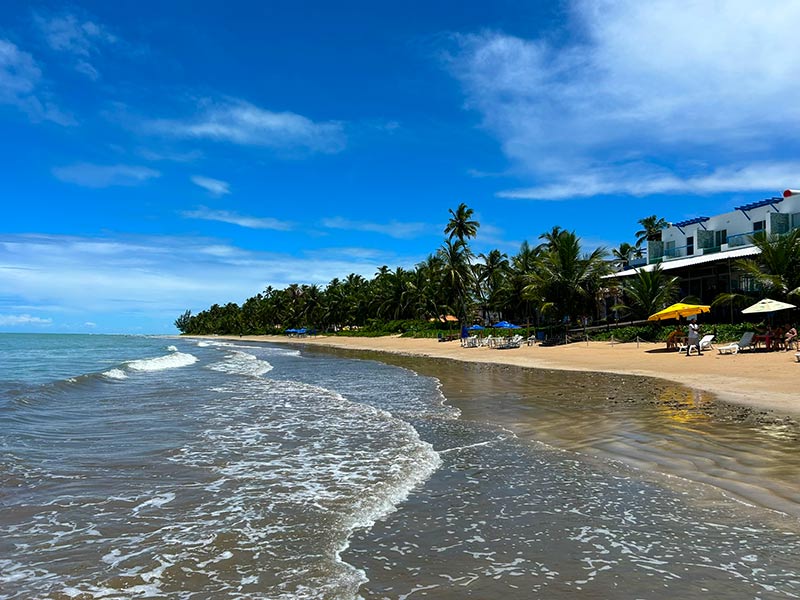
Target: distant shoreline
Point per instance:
(768, 381)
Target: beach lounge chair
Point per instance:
(745, 342)
(705, 342)
(511, 342)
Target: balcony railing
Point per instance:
(637, 262)
(676, 252)
(741, 239)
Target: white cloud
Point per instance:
(224, 216)
(135, 280)
(642, 91)
(240, 122)
(19, 320)
(215, 187)
(169, 155)
(100, 176)
(748, 178)
(20, 86)
(393, 229)
(75, 36)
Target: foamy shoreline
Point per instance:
(764, 380)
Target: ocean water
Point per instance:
(147, 467)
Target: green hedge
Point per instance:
(658, 333)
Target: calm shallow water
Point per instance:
(147, 467)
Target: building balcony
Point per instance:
(741, 239)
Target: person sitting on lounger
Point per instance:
(789, 336)
(673, 338)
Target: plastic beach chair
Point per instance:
(705, 342)
(745, 342)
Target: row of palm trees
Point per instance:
(555, 282)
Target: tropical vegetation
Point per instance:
(555, 284)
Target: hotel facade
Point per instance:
(702, 251)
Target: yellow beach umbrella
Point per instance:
(679, 310)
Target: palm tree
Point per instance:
(490, 275)
(625, 253)
(516, 302)
(565, 280)
(432, 297)
(457, 276)
(550, 238)
(649, 291)
(651, 229)
(461, 226)
(777, 268)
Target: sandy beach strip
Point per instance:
(765, 380)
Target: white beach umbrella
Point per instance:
(767, 306)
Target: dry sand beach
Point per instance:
(766, 380)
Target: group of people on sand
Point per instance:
(775, 338)
(778, 338)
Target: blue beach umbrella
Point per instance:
(506, 325)
(475, 328)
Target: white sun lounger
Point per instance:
(745, 342)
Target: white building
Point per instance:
(700, 251)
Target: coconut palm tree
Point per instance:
(565, 280)
(649, 291)
(490, 275)
(457, 276)
(461, 226)
(777, 268)
(651, 229)
(625, 253)
(550, 238)
(516, 303)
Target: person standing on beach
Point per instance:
(693, 338)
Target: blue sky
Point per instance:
(159, 156)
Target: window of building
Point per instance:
(689, 245)
(720, 237)
(759, 225)
(748, 284)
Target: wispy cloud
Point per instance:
(215, 187)
(77, 37)
(170, 155)
(101, 176)
(21, 86)
(664, 93)
(150, 280)
(753, 177)
(239, 122)
(393, 229)
(224, 216)
(18, 320)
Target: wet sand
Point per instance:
(767, 381)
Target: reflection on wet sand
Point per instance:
(667, 431)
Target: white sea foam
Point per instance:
(160, 363)
(242, 363)
(171, 349)
(115, 374)
(350, 464)
(156, 502)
